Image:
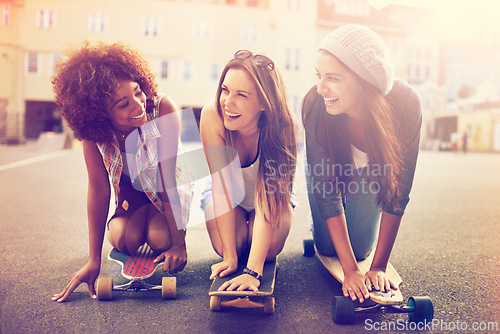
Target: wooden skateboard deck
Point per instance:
(244, 299)
(419, 308)
(333, 265)
(135, 268)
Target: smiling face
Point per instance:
(239, 102)
(128, 107)
(337, 85)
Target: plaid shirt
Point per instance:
(143, 165)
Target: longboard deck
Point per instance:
(392, 297)
(266, 287)
(136, 267)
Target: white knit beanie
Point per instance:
(364, 52)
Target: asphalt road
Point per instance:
(448, 248)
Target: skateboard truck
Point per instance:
(105, 287)
(136, 269)
(388, 294)
(419, 309)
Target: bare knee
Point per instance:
(116, 234)
(273, 251)
(127, 233)
(158, 234)
(158, 240)
(213, 233)
(241, 231)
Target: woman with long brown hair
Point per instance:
(362, 136)
(248, 134)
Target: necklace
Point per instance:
(121, 134)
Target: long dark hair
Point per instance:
(278, 150)
(384, 150)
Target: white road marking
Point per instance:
(34, 159)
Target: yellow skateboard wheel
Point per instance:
(169, 288)
(214, 303)
(104, 288)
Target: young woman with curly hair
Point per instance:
(248, 133)
(130, 133)
(362, 136)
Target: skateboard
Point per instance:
(419, 308)
(246, 299)
(136, 269)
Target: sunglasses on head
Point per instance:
(258, 59)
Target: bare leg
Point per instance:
(241, 230)
(128, 232)
(279, 235)
(158, 233)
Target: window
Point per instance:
(98, 22)
(215, 72)
(187, 71)
(45, 19)
(5, 15)
(151, 26)
(32, 63)
(54, 59)
(292, 59)
(293, 5)
(202, 31)
(249, 34)
(165, 69)
(352, 7)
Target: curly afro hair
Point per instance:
(87, 80)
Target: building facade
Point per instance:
(188, 42)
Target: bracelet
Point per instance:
(252, 273)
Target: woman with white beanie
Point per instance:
(362, 136)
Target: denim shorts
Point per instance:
(207, 197)
(206, 194)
